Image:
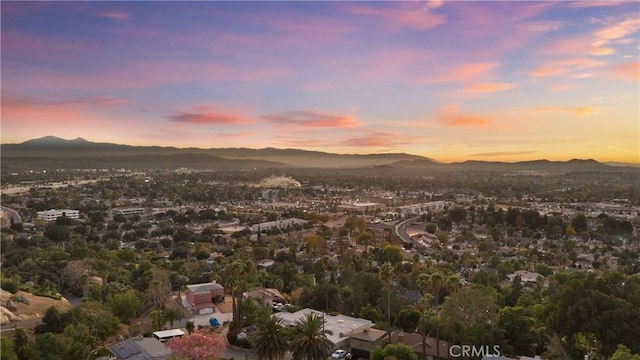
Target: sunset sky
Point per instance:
(497, 81)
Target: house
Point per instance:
(434, 348)
(266, 296)
(139, 349)
(525, 276)
(364, 340)
(199, 297)
(342, 327)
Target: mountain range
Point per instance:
(80, 151)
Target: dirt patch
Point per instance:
(225, 306)
(25, 306)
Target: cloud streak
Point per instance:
(312, 119)
(489, 87)
(209, 118)
(502, 153)
(451, 116)
(407, 15)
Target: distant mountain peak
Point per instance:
(45, 139)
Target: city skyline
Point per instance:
(452, 81)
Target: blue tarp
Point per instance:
(214, 322)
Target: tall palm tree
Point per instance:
(309, 341)
(270, 339)
(386, 275)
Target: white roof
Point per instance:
(165, 333)
(340, 325)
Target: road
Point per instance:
(400, 229)
(23, 324)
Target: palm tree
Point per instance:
(425, 312)
(270, 339)
(171, 315)
(386, 275)
(309, 341)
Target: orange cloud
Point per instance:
(312, 119)
(602, 51)
(209, 118)
(451, 115)
(628, 71)
(466, 121)
(489, 87)
(576, 111)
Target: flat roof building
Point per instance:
(341, 326)
(53, 214)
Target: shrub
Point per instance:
(10, 285)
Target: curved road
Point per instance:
(400, 228)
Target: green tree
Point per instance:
(370, 312)
(468, 312)
(6, 349)
(125, 305)
(309, 339)
(525, 334)
(385, 275)
(408, 319)
(623, 353)
(270, 339)
(190, 326)
(50, 346)
(21, 344)
(172, 315)
(393, 351)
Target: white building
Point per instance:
(128, 211)
(53, 214)
(341, 326)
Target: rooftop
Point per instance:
(340, 325)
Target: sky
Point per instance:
(450, 80)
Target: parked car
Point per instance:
(339, 354)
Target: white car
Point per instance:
(339, 354)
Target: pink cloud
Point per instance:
(312, 119)
(451, 116)
(114, 15)
(465, 73)
(558, 67)
(616, 31)
(28, 117)
(408, 15)
(489, 87)
(209, 118)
